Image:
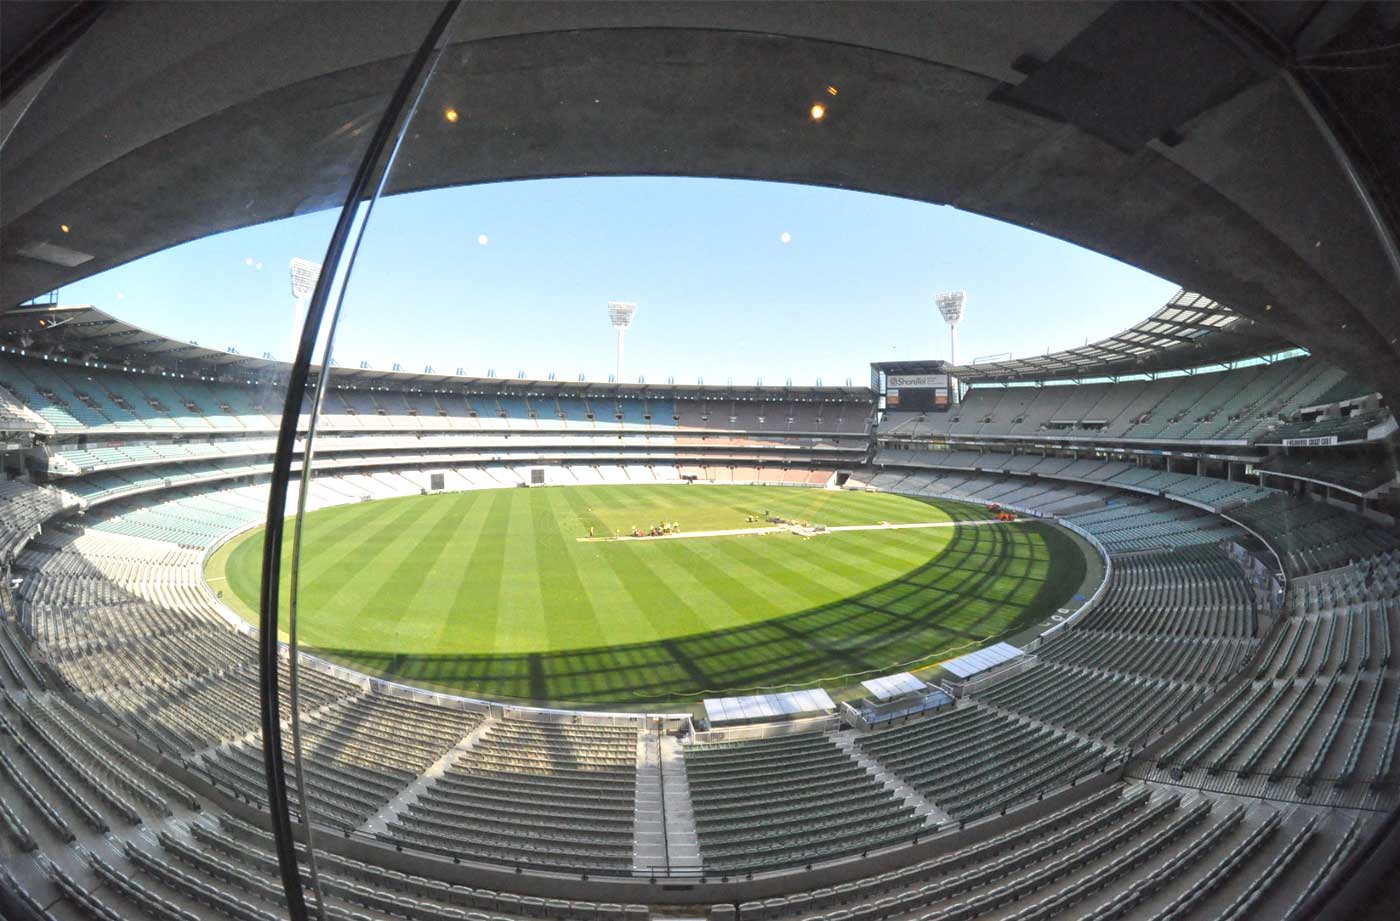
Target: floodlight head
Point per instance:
(621, 313)
(951, 304)
(304, 276)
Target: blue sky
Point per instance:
(720, 294)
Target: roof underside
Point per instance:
(82, 333)
(1190, 331)
(932, 366)
(1191, 155)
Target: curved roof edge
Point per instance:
(85, 334)
(1189, 331)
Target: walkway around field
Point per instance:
(803, 530)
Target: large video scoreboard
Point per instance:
(916, 392)
(908, 386)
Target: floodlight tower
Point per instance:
(304, 276)
(621, 314)
(952, 304)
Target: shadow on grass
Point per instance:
(979, 587)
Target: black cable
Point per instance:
(268, 691)
(1386, 65)
(1348, 52)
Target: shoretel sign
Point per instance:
(916, 380)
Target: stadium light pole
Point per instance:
(621, 314)
(304, 276)
(952, 304)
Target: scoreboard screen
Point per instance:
(916, 392)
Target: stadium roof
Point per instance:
(911, 367)
(81, 333)
(974, 663)
(1217, 157)
(755, 707)
(888, 687)
(1190, 331)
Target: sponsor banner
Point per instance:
(1310, 442)
(916, 380)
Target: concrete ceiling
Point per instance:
(1136, 130)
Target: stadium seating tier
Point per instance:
(1103, 777)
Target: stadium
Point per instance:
(1101, 632)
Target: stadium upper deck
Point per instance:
(1248, 405)
(68, 397)
(106, 432)
(1189, 331)
(119, 410)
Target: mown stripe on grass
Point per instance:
(244, 567)
(655, 600)
(448, 574)
(562, 584)
(476, 605)
(620, 620)
(808, 565)
(330, 562)
(732, 599)
(971, 587)
(782, 587)
(855, 555)
(520, 620)
(388, 591)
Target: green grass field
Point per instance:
(491, 593)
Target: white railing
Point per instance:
(1094, 599)
(1093, 541)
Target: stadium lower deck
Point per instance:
(1176, 751)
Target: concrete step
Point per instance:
(846, 741)
(680, 814)
(410, 794)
